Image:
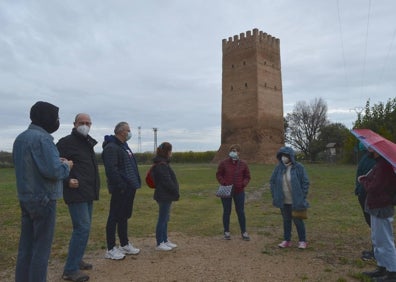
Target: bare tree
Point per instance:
(303, 126)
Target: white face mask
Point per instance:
(285, 160)
(129, 136)
(83, 129)
(233, 155)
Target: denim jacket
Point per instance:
(39, 171)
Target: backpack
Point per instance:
(149, 176)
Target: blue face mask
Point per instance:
(233, 155)
(129, 136)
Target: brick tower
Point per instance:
(252, 103)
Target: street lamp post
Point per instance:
(155, 138)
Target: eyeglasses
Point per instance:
(84, 123)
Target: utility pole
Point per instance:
(155, 129)
(139, 139)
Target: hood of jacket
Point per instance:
(110, 139)
(286, 151)
(45, 115)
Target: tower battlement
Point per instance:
(250, 39)
(252, 102)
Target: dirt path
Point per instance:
(214, 259)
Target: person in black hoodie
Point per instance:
(39, 173)
(80, 189)
(122, 181)
(166, 191)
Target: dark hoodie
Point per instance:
(45, 115)
(120, 165)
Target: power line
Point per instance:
(365, 48)
(342, 44)
(387, 56)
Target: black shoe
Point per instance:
(367, 255)
(379, 272)
(389, 277)
(245, 237)
(85, 265)
(77, 276)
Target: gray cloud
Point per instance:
(158, 63)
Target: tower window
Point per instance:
(232, 88)
(246, 85)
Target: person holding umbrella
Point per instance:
(380, 185)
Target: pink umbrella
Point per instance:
(381, 145)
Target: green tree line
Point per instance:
(142, 158)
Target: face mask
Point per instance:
(129, 136)
(51, 128)
(83, 129)
(233, 155)
(285, 160)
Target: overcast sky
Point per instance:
(158, 63)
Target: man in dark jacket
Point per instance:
(80, 189)
(365, 165)
(380, 185)
(122, 180)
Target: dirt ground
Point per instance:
(215, 259)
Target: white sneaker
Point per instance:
(171, 245)
(129, 249)
(114, 253)
(163, 247)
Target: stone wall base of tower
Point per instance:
(255, 148)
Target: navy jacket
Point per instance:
(120, 165)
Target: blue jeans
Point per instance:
(239, 201)
(121, 206)
(81, 216)
(287, 224)
(161, 230)
(37, 233)
(383, 242)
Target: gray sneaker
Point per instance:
(114, 253)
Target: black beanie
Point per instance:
(45, 115)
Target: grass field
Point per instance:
(335, 224)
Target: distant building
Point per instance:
(331, 152)
(252, 102)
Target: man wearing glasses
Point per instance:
(80, 189)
